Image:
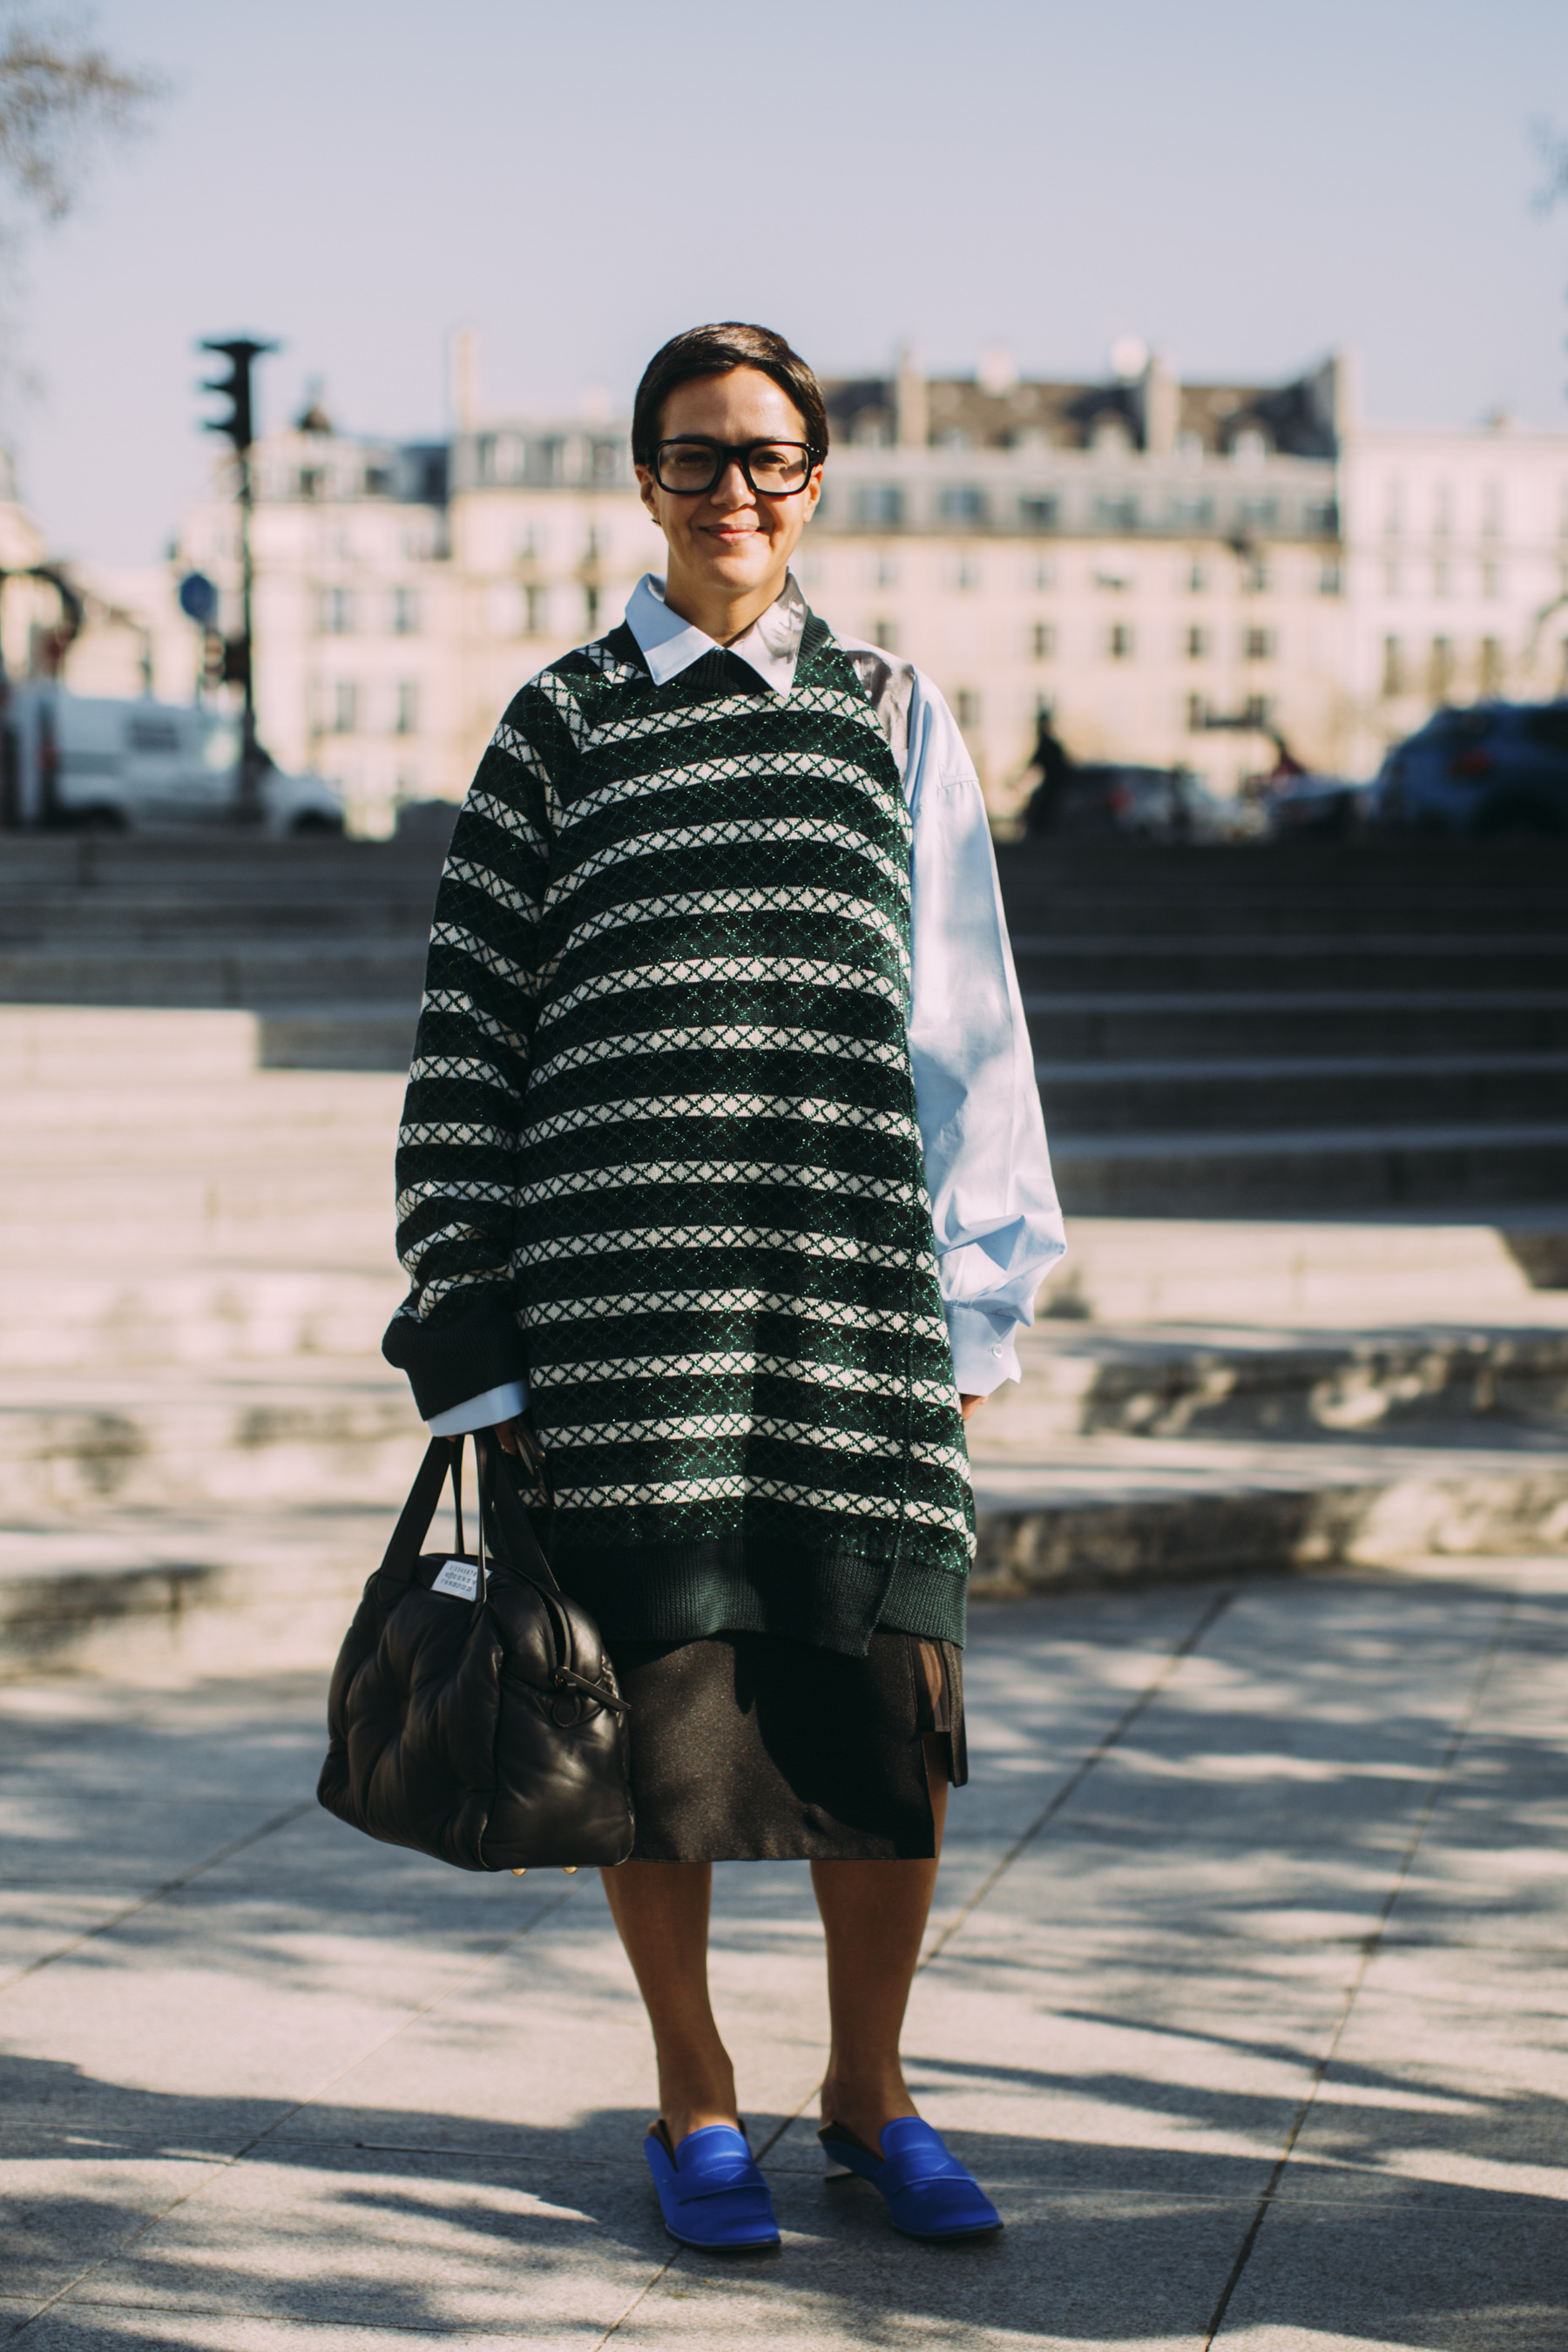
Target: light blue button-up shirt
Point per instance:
(994, 1213)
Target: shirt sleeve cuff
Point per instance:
(983, 1355)
(482, 1412)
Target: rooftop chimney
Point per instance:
(464, 378)
(1159, 404)
(909, 399)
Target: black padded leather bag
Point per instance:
(473, 1713)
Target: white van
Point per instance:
(83, 760)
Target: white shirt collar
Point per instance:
(771, 646)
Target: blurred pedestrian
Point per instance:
(1050, 762)
(722, 1158)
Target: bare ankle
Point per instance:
(864, 2103)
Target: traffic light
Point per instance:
(234, 387)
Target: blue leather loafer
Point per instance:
(928, 2193)
(709, 2191)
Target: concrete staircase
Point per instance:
(199, 1441)
(1302, 1029)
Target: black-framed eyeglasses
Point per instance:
(692, 464)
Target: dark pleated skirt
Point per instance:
(754, 1747)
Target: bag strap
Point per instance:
(413, 1523)
(496, 1488)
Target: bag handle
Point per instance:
(413, 1521)
(496, 1488)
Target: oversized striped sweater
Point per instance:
(659, 1154)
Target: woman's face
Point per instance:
(732, 538)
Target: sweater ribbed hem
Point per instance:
(836, 1598)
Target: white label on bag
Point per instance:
(460, 1577)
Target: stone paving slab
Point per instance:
(1243, 1994)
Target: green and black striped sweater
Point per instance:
(659, 1155)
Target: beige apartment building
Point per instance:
(1179, 573)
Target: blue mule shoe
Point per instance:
(709, 2191)
(929, 2194)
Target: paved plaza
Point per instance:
(1243, 1997)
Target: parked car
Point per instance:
(1496, 769)
(1330, 806)
(91, 761)
(1154, 803)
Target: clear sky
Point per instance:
(1242, 182)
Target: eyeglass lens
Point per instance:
(776, 467)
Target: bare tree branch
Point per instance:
(56, 93)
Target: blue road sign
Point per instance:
(198, 599)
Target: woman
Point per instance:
(722, 1154)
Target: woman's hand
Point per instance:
(505, 1433)
(969, 1404)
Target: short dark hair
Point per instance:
(716, 350)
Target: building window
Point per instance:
(1197, 644)
(345, 706)
(1044, 576)
(1257, 645)
(1491, 666)
(887, 572)
(1190, 514)
(966, 707)
(1037, 513)
(1044, 641)
(536, 608)
(1257, 711)
(407, 721)
(1197, 577)
(337, 612)
(1254, 577)
(1393, 667)
(1319, 515)
(1329, 577)
(405, 612)
(591, 606)
(1440, 669)
(1197, 714)
(962, 503)
(1118, 513)
(1118, 645)
(880, 506)
(1258, 514)
(886, 635)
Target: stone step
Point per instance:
(1270, 963)
(86, 1318)
(1190, 1025)
(133, 924)
(1246, 1174)
(70, 1048)
(1280, 1095)
(1501, 1268)
(249, 972)
(1131, 1510)
(97, 1590)
(322, 1434)
(1509, 1386)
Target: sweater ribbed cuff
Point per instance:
(457, 1358)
